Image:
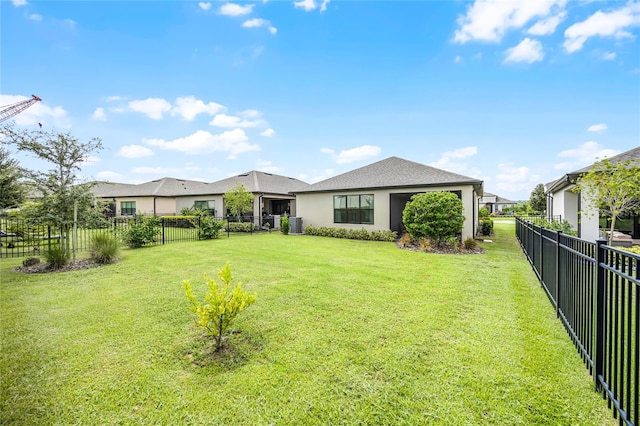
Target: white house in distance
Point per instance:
(374, 196)
(168, 196)
(561, 200)
(494, 203)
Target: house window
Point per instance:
(353, 208)
(127, 208)
(205, 205)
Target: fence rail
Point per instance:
(595, 291)
(19, 237)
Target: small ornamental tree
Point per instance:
(221, 306)
(436, 215)
(538, 199)
(12, 189)
(238, 200)
(614, 188)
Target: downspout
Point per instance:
(154, 206)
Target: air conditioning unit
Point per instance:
(295, 225)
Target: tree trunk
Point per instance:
(613, 224)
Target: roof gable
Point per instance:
(392, 172)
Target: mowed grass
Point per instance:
(342, 332)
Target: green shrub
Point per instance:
(30, 261)
(634, 249)
(284, 224)
(145, 230)
(239, 226)
(104, 248)
(209, 228)
(56, 256)
(470, 244)
(186, 211)
(483, 212)
(436, 215)
(356, 234)
(221, 306)
(486, 226)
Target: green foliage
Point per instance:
(59, 188)
(634, 249)
(354, 234)
(483, 212)
(56, 256)
(436, 215)
(11, 186)
(614, 188)
(208, 227)
(470, 244)
(238, 200)
(486, 226)
(238, 226)
(221, 306)
(145, 230)
(284, 224)
(538, 199)
(31, 261)
(104, 247)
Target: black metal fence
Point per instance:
(19, 237)
(594, 289)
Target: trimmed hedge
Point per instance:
(353, 234)
(239, 227)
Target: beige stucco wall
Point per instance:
(144, 205)
(189, 202)
(316, 208)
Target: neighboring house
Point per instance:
(168, 196)
(374, 196)
(494, 203)
(570, 206)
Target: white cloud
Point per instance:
(268, 167)
(90, 160)
(38, 112)
(354, 154)
(603, 24)
(307, 5)
(259, 22)
(316, 175)
(99, 114)
(583, 155)
(457, 59)
(70, 22)
(513, 179)
(204, 5)
(547, 26)
(250, 113)
(609, 56)
(109, 176)
(134, 151)
(527, 51)
(451, 161)
(488, 20)
(224, 120)
(189, 107)
(114, 98)
(597, 127)
(18, 3)
(232, 9)
(323, 6)
(233, 142)
(153, 108)
(268, 132)
(35, 17)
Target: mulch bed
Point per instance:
(443, 249)
(72, 265)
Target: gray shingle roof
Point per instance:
(254, 181)
(632, 154)
(392, 172)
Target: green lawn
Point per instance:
(342, 332)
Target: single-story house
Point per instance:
(168, 196)
(374, 196)
(494, 203)
(571, 206)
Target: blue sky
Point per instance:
(515, 93)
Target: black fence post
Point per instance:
(598, 364)
(557, 247)
(162, 222)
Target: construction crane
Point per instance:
(6, 112)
